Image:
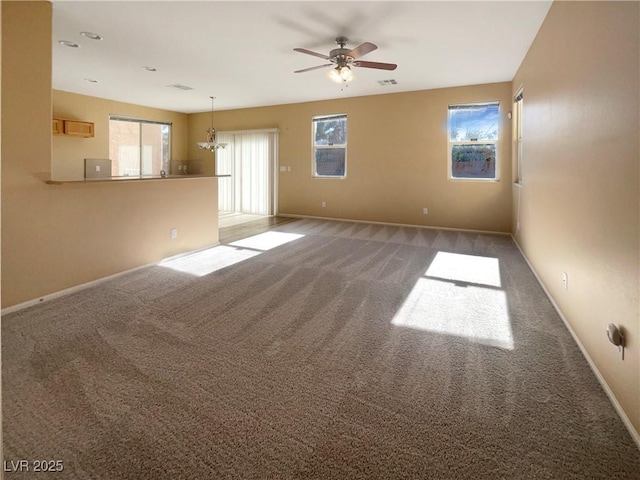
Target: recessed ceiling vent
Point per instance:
(180, 87)
(387, 82)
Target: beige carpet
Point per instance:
(327, 350)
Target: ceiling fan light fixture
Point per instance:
(346, 74)
(341, 74)
(344, 59)
(334, 74)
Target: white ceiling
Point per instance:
(242, 52)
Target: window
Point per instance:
(330, 146)
(517, 124)
(138, 147)
(473, 141)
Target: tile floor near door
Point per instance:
(228, 219)
(242, 226)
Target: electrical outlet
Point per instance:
(97, 168)
(323, 204)
(425, 211)
(565, 280)
(174, 233)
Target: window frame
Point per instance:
(518, 106)
(315, 148)
(452, 143)
(165, 165)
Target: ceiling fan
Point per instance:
(344, 58)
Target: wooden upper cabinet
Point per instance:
(78, 129)
(57, 126)
(72, 128)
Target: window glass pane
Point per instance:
(155, 141)
(473, 122)
(473, 161)
(330, 162)
(124, 148)
(330, 131)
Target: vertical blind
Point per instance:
(249, 159)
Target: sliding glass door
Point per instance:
(138, 147)
(249, 158)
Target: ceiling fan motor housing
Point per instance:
(339, 56)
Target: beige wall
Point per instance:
(579, 202)
(1, 418)
(58, 236)
(397, 159)
(69, 152)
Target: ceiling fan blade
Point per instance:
(362, 50)
(378, 65)
(313, 68)
(309, 52)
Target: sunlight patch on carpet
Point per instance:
(213, 259)
(465, 268)
(266, 241)
(473, 312)
(208, 261)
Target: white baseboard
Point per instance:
(295, 215)
(82, 286)
(614, 401)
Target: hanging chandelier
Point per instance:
(211, 144)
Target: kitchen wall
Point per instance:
(578, 207)
(59, 236)
(397, 159)
(69, 152)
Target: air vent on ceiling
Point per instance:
(387, 82)
(180, 87)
